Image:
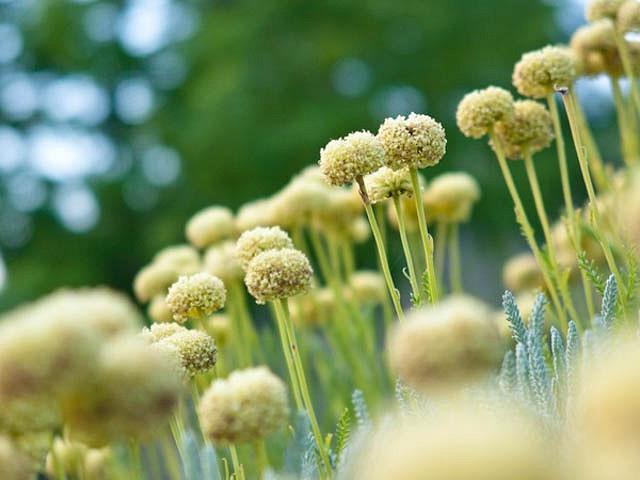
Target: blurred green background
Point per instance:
(118, 120)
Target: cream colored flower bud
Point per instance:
(629, 16)
(13, 464)
(220, 261)
(258, 213)
(247, 406)
(367, 286)
(130, 396)
(260, 239)
(528, 131)
(159, 331)
(356, 155)
(480, 110)
(416, 141)
(154, 279)
(158, 310)
(451, 343)
(184, 258)
(450, 197)
(595, 47)
(210, 226)
(196, 349)
(599, 9)
(278, 274)
(541, 72)
(521, 273)
(197, 296)
(386, 183)
(337, 216)
(299, 201)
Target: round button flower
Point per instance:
(480, 110)
(629, 16)
(539, 73)
(209, 226)
(253, 242)
(599, 9)
(196, 296)
(386, 183)
(528, 131)
(196, 349)
(278, 274)
(356, 155)
(248, 405)
(416, 141)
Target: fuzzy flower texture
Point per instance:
(196, 296)
(358, 154)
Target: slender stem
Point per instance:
(627, 136)
(523, 220)
(562, 159)
(262, 459)
(238, 471)
(627, 65)
(569, 100)
(546, 229)
(442, 232)
(347, 257)
(293, 377)
(596, 165)
(282, 311)
(406, 248)
(136, 461)
(455, 264)
(427, 241)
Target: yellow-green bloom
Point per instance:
(196, 296)
(480, 110)
(527, 131)
(260, 239)
(541, 72)
(210, 226)
(356, 155)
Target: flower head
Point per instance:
(539, 73)
(454, 341)
(184, 258)
(253, 242)
(258, 213)
(386, 183)
(209, 226)
(158, 310)
(196, 296)
(220, 261)
(296, 203)
(356, 155)
(595, 47)
(277, 274)
(367, 286)
(521, 273)
(154, 279)
(528, 131)
(159, 331)
(480, 110)
(196, 349)
(450, 197)
(629, 16)
(416, 141)
(248, 405)
(14, 465)
(599, 9)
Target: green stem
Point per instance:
(262, 459)
(546, 229)
(596, 164)
(569, 101)
(442, 234)
(455, 264)
(282, 311)
(627, 135)
(427, 241)
(406, 248)
(627, 65)
(527, 230)
(136, 461)
(238, 471)
(562, 159)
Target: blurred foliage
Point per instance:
(260, 99)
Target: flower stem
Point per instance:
(293, 377)
(262, 459)
(238, 471)
(382, 254)
(406, 247)
(628, 67)
(427, 241)
(442, 232)
(282, 311)
(527, 230)
(455, 264)
(628, 138)
(546, 229)
(596, 165)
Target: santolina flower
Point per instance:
(367, 286)
(196, 349)
(416, 141)
(356, 155)
(297, 202)
(596, 49)
(248, 405)
(359, 231)
(454, 341)
(258, 213)
(527, 131)
(277, 274)
(130, 395)
(521, 273)
(386, 183)
(451, 196)
(629, 16)
(253, 242)
(158, 310)
(183, 257)
(196, 296)
(541, 72)
(160, 331)
(480, 110)
(154, 279)
(209, 226)
(599, 9)
(220, 261)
